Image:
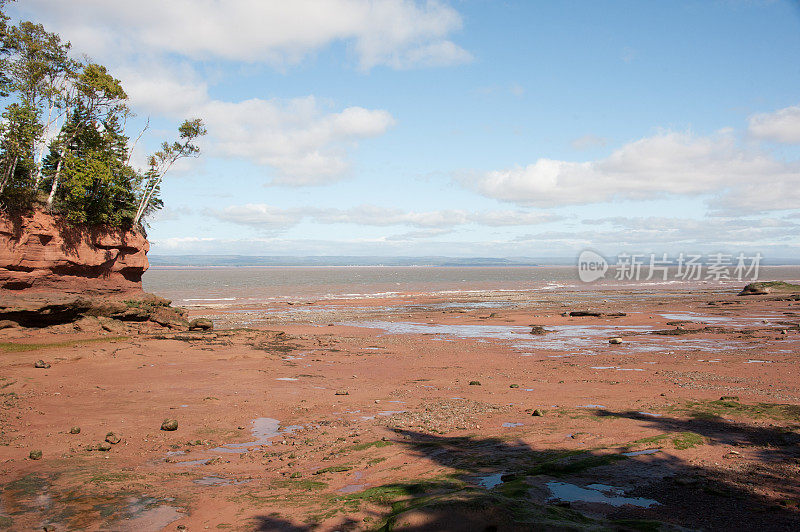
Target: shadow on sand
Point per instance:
(496, 484)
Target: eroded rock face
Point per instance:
(42, 252)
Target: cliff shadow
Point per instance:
(480, 483)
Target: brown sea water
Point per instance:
(235, 286)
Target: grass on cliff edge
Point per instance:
(12, 347)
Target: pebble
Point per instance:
(342, 392)
(112, 438)
(41, 364)
(537, 413)
(169, 424)
(615, 341)
(474, 383)
(75, 430)
(36, 454)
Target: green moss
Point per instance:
(117, 476)
(728, 408)
(302, 485)
(332, 469)
(29, 485)
(11, 347)
(367, 445)
(687, 440)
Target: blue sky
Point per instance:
(462, 128)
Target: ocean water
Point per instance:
(236, 286)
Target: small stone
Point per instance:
(474, 383)
(112, 438)
(240, 427)
(538, 329)
(214, 460)
(36, 454)
(514, 386)
(296, 475)
(169, 424)
(784, 331)
(342, 392)
(615, 340)
(41, 364)
(104, 446)
(75, 430)
(729, 398)
(537, 413)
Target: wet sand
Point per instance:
(414, 412)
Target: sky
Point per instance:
(464, 128)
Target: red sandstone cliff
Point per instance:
(40, 252)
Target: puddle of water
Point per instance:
(559, 338)
(264, 429)
(591, 406)
(758, 362)
(285, 379)
(155, 518)
(192, 463)
(595, 493)
(507, 424)
(390, 412)
(651, 414)
(213, 481)
(351, 488)
(639, 453)
(731, 320)
(490, 481)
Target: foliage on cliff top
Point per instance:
(62, 135)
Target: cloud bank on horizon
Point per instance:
(406, 127)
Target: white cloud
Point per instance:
(782, 125)
(304, 141)
(397, 33)
(267, 217)
(307, 145)
(667, 164)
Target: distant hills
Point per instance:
(244, 260)
(344, 260)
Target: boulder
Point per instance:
(201, 324)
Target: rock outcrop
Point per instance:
(41, 252)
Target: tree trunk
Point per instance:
(9, 174)
(56, 176)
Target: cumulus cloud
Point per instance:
(664, 165)
(267, 217)
(304, 143)
(782, 125)
(301, 138)
(397, 33)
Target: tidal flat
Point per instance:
(423, 412)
